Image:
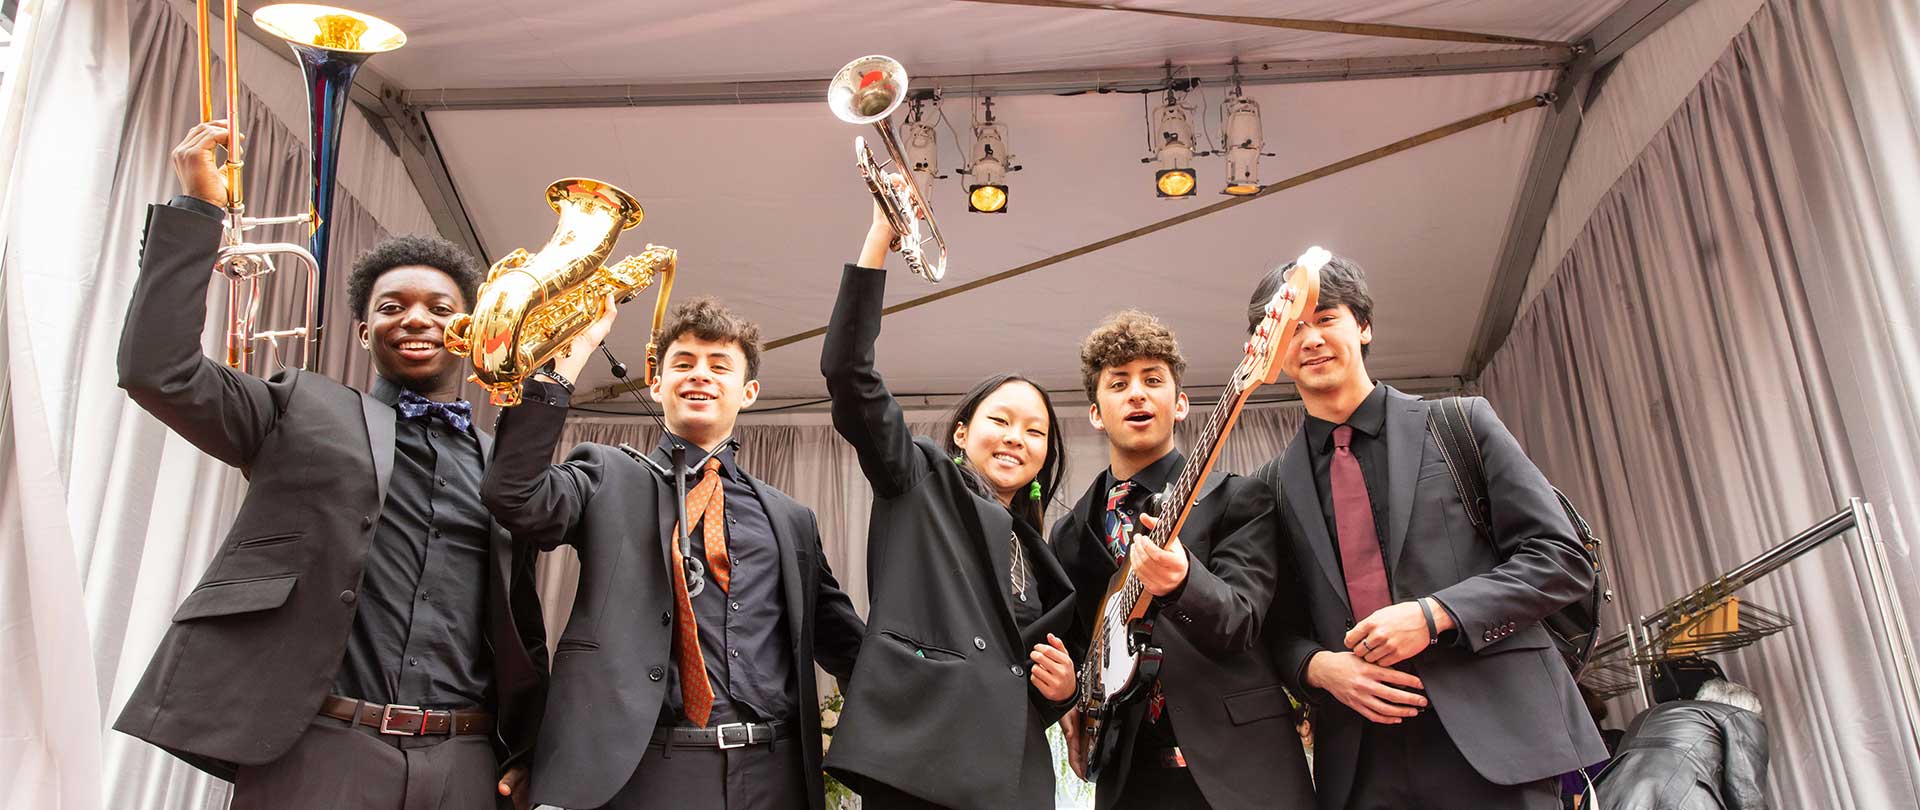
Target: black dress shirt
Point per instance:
(419, 630)
(1370, 449)
(743, 630)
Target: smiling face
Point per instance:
(702, 388)
(1136, 404)
(1006, 439)
(407, 313)
(1324, 356)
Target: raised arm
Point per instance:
(223, 412)
(538, 501)
(864, 412)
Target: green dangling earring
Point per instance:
(1033, 491)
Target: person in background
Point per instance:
(1706, 753)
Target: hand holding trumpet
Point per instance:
(880, 235)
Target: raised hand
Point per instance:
(197, 167)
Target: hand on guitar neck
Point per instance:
(1160, 570)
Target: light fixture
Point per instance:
(1241, 140)
(987, 173)
(1172, 144)
(922, 145)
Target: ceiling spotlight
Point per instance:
(987, 173)
(922, 144)
(1172, 144)
(1242, 141)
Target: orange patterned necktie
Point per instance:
(706, 504)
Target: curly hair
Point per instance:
(708, 319)
(1123, 338)
(410, 250)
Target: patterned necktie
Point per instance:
(1353, 517)
(458, 414)
(705, 503)
(1119, 522)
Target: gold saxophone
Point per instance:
(533, 304)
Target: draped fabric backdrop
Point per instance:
(811, 463)
(1728, 351)
(119, 516)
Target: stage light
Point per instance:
(984, 199)
(987, 173)
(1173, 149)
(922, 145)
(1241, 140)
(1174, 182)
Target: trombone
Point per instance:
(330, 44)
(867, 91)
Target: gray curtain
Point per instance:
(128, 512)
(1718, 363)
(812, 464)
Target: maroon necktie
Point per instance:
(1353, 518)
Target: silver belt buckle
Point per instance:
(720, 733)
(386, 721)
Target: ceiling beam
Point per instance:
(1358, 29)
(1527, 221)
(413, 140)
(1048, 82)
(1630, 24)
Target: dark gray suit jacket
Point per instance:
(609, 668)
(1502, 692)
(254, 649)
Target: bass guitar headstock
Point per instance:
(1296, 299)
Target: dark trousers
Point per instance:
(337, 767)
(1154, 788)
(755, 777)
(882, 797)
(1416, 765)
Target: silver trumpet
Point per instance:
(867, 91)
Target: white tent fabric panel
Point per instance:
(764, 203)
(499, 44)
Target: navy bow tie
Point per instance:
(458, 414)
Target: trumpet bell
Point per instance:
(333, 29)
(868, 89)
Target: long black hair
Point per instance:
(1052, 471)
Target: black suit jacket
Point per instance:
(1223, 685)
(1502, 693)
(610, 666)
(940, 705)
(254, 649)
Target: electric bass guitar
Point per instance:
(1122, 663)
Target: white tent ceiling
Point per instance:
(764, 205)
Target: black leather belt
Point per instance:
(406, 721)
(723, 736)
